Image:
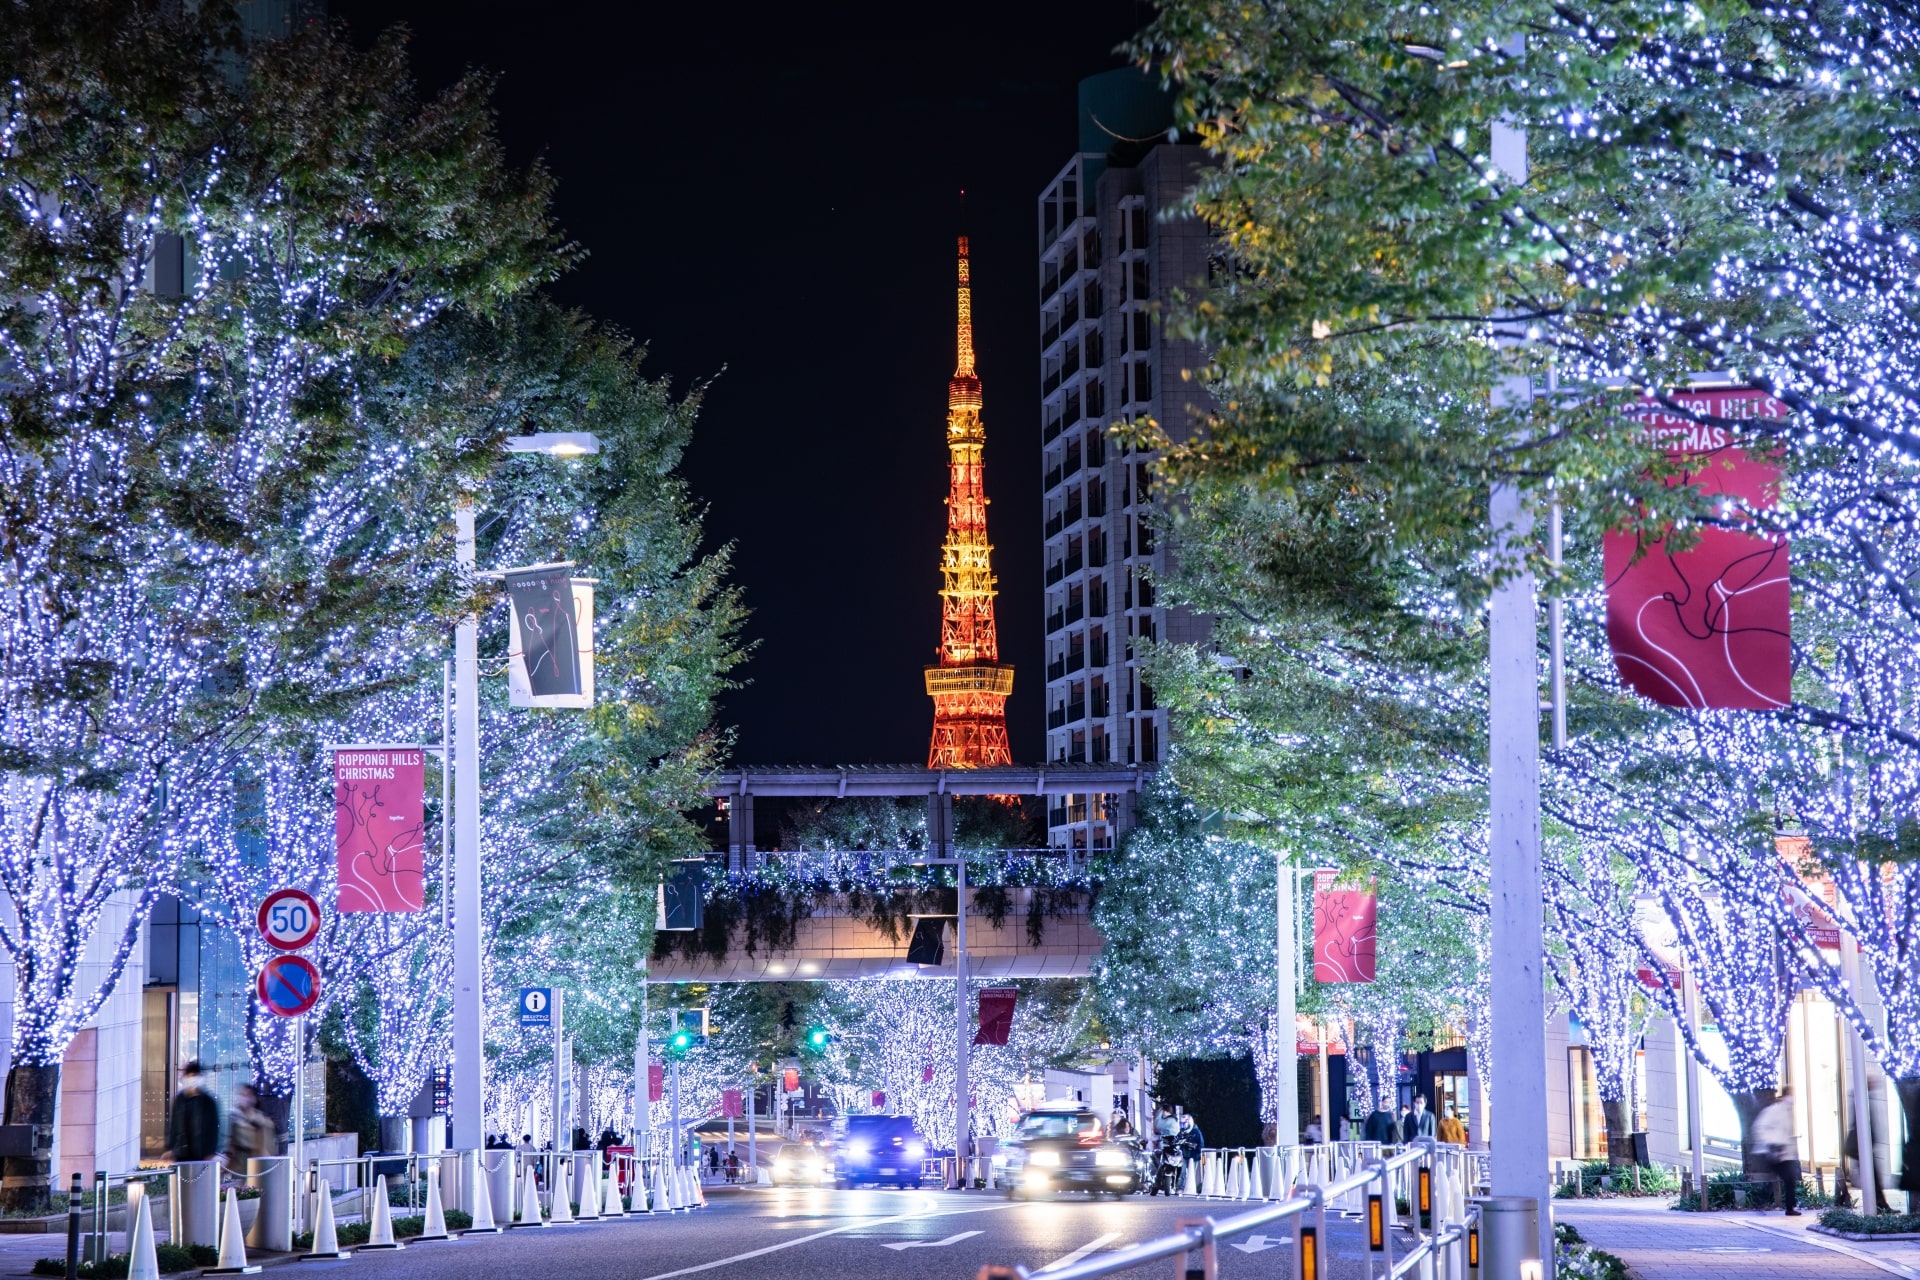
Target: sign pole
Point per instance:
(298, 1136)
(753, 1146)
(562, 1132)
(469, 1017)
(962, 1097)
(1286, 1070)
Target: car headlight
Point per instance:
(1110, 1158)
(1046, 1159)
(916, 1150)
(781, 1166)
(858, 1148)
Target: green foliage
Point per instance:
(1599, 1178)
(1871, 1224)
(172, 1258)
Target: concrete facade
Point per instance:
(1113, 248)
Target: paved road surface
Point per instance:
(782, 1234)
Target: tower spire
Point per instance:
(968, 685)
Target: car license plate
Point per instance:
(889, 1170)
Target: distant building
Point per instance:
(1108, 260)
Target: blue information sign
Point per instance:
(536, 1006)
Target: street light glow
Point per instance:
(558, 444)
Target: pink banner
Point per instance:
(378, 828)
(733, 1103)
(1343, 931)
(1708, 626)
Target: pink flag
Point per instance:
(379, 825)
(1343, 931)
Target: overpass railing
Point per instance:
(1434, 1237)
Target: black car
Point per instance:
(879, 1149)
(1068, 1148)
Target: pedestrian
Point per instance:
(733, 1166)
(1423, 1122)
(713, 1161)
(1380, 1128)
(1120, 1126)
(193, 1121)
(608, 1138)
(1776, 1141)
(1192, 1141)
(249, 1132)
(1312, 1134)
(1403, 1125)
(1450, 1129)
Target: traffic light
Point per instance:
(678, 1043)
(818, 1038)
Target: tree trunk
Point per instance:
(1909, 1090)
(1619, 1145)
(1750, 1105)
(26, 1182)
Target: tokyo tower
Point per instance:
(969, 687)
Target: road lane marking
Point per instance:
(933, 1244)
(1259, 1244)
(1068, 1260)
(820, 1235)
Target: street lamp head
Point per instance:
(558, 444)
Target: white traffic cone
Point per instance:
(435, 1227)
(1187, 1179)
(699, 1191)
(480, 1197)
(560, 1206)
(610, 1206)
(143, 1261)
(233, 1244)
(1256, 1185)
(380, 1230)
(529, 1199)
(650, 1187)
(1236, 1187)
(326, 1238)
(589, 1191)
(665, 1198)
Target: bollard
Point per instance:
(496, 1166)
(272, 1228)
(73, 1230)
(1509, 1237)
(196, 1203)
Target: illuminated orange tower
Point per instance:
(969, 687)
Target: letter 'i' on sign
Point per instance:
(1710, 626)
(379, 825)
(1343, 931)
(550, 650)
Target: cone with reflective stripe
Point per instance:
(143, 1260)
(1237, 1177)
(589, 1182)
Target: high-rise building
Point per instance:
(969, 686)
(1113, 244)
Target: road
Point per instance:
(777, 1234)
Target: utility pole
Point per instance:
(963, 1031)
(673, 1102)
(1520, 1159)
(1286, 944)
(469, 1015)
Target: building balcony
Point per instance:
(1056, 717)
(1055, 572)
(1102, 702)
(1053, 480)
(1055, 524)
(1072, 564)
(1076, 711)
(1056, 621)
(1075, 611)
(1057, 669)
(1076, 659)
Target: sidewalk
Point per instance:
(1658, 1244)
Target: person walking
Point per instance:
(1422, 1123)
(1776, 1142)
(193, 1121)
(1450, 1130)
(250, 1132)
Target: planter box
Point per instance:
(1866, 1236)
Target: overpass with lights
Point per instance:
(1014, 930)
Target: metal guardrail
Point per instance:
(1311, 1250)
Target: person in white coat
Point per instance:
(1776, 1142)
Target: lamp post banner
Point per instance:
(996, 1015)
(1343, 931)
(550, 650)
(1709, 626)
(378, 828)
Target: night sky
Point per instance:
(769, 200)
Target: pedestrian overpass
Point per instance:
(1012, 931)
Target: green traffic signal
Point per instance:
(679, 1043)
(819, 1038)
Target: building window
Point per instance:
(1149, 743)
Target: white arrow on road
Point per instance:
(1259, 1244)
(933, 1244)
(1068, 1260)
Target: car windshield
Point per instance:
(1054, 1124)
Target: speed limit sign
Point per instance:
(289, 919)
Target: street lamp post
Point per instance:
(469, 1012)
